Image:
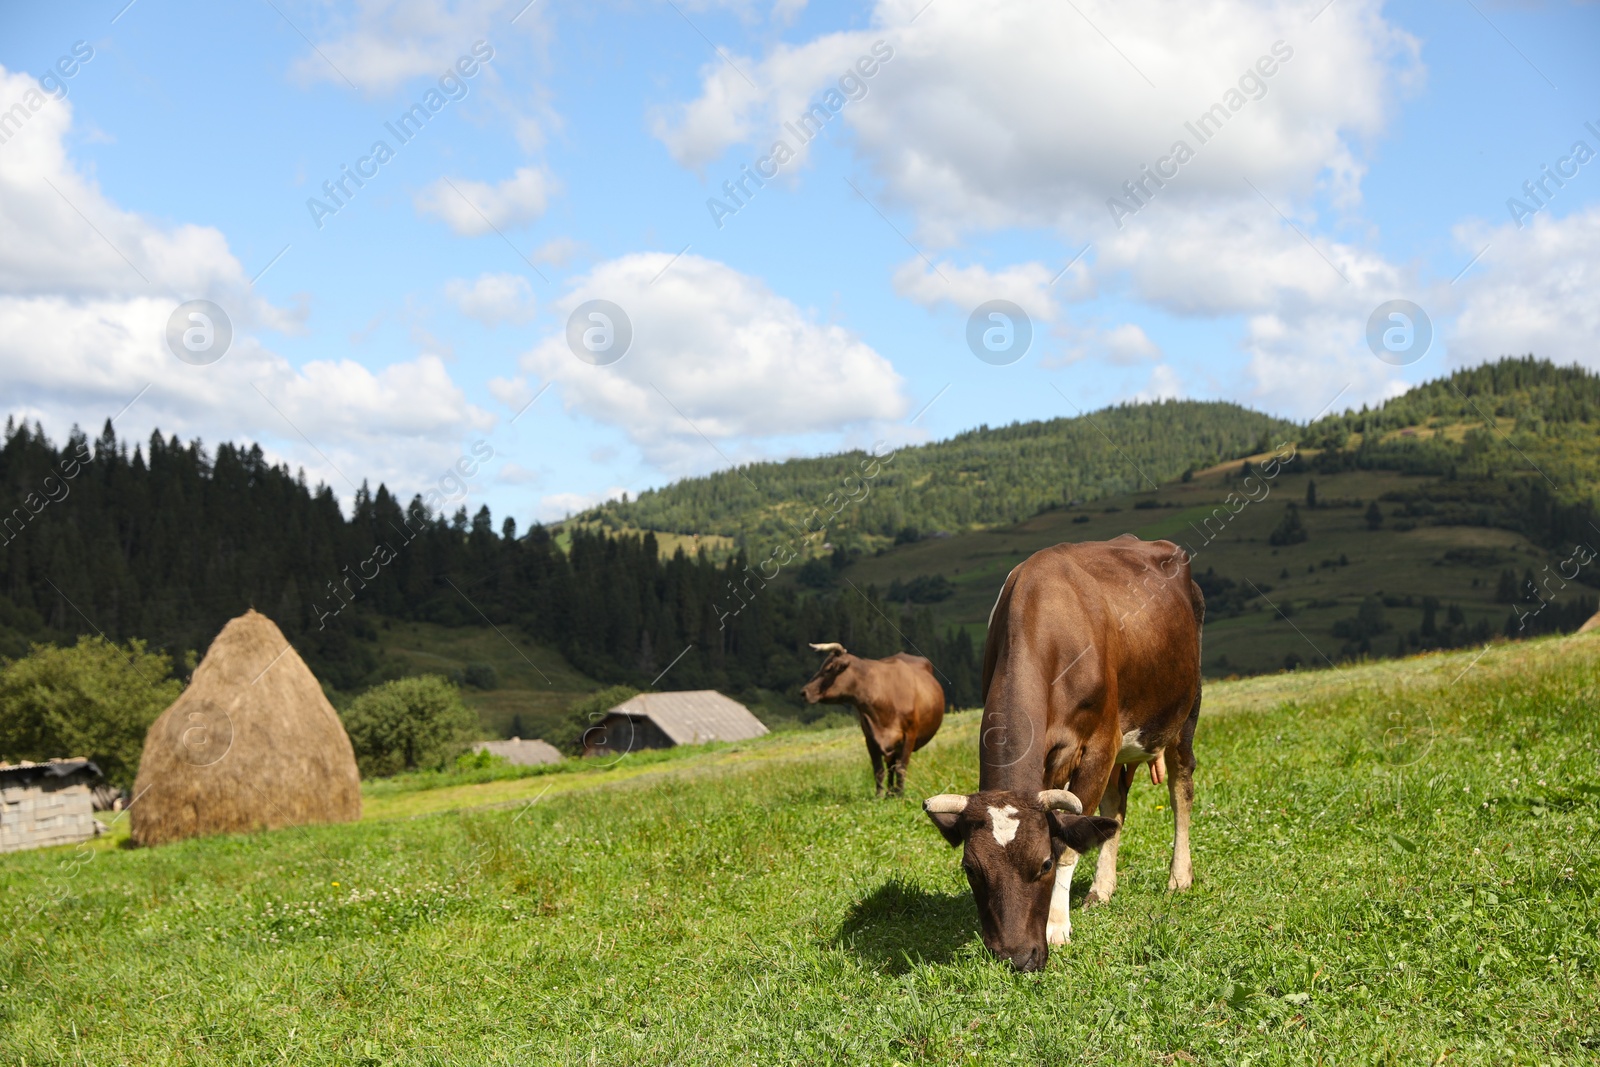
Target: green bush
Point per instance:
(95, 699)
(585, 713)
(478, 761)
(481, 676)
(408, 724)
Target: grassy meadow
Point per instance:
(1394, 862)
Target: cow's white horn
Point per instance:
(828, 646)
(945, 804)
(1060, 800)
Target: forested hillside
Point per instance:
(1513, 444)
(981, 477)
(166, 542)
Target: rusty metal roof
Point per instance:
(695, 716)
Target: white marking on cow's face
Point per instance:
(1005, 824)
(1132, 751)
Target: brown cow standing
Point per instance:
(1092, 665)
(898, 701)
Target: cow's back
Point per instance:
(1081, 629)
(923, 696)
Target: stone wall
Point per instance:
(45, 812)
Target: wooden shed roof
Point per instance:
(694, 716)
(520, 752)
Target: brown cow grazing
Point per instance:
(1092, 665)
(898, 700)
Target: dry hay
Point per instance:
(1592, 624)
(251, 744)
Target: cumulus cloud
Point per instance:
(1028, 285)
(493, 298)
(1536, 290)
(1129, 344)
(956, 125)
(86, 289)
(472, 209)
(1163, 384)
(717, 356)
(382, 43)
(1239, 257)
(1024, 116)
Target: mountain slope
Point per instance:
(978, 478)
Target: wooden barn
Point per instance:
(521, 753)
(50, 803)
(663, 720)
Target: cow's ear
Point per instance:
(945, 811)
(1080, 832)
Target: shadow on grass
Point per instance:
(899, 925)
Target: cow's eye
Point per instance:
(1046, 867)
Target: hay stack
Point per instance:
(1592, 624)
(251, 744)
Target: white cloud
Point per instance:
(989, 118)
(556, 506)
(1305, 366)
(82, 334)
(1122, 345)
(1536, 290)
(1164, 384)
(493, 298)
(512, 392)
(1238, 257)
(718, 349)
(1129, 344)
(383, 43)
(1028, 285)
(558, 251)
(1022, 115)
(472, 208)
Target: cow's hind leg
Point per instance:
(1180, 787)
(899, 759)
(1114, 805)
(877, 766)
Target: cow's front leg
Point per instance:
(877, 767)
(1180, 787)
(1114, 805)
(1058, 930)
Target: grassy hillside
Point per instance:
(534, 684)
(1268, 606)
(1393, 865)
(977, 478)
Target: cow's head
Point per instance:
(1011, 843)
(830, 683)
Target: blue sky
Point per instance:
(975, 163)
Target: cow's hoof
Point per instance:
(1094, 898)
(1177, 884)
(1058, 934)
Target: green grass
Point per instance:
(1394, 864)
(535, 682)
